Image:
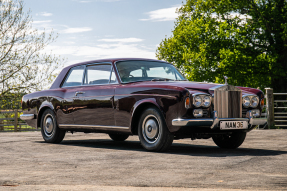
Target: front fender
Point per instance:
(146, 102)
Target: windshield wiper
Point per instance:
(162, 79)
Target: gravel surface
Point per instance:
(95, 162)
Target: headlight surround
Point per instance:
(206, 101)
(246, 101)
(250, 101)
(197, 101)
(203, 100)
(254, 101)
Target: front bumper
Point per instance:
(214, 123)
(25, 117)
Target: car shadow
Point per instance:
(176, 148)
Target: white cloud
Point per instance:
(41, 22)
(122, 40)
(76, 30)
(45, 14)
(100, 51)
(167, 14)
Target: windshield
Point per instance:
(131, 71)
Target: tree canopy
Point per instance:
(245, 40)
(23, 65)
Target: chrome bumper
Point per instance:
(215, 121)
(25, 117)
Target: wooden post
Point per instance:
(270, 107)
(15, 120)
(1, 127)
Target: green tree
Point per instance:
(245, 40)
(23, 65)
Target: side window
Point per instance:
(98, 74)
(75, 77)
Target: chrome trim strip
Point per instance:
(27, 116)
(192, 122)
(215, 87)
(92, 126)
(215, 121)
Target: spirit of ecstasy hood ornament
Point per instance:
(225, 77)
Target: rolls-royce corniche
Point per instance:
(144, 97)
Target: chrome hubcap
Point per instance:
(48, 125)
(151, 129)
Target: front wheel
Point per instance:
(231, 141)
(153, 132)
(49, 128)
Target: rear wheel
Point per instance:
(49, 128)
(231, 141)
(153, 132)
(118, 137)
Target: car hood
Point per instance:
(194, 87)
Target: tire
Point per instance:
(232, 141)
(118, 137)
(153, 132)
(49, 128)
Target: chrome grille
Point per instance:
(228, 101)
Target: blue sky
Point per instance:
(95, 29)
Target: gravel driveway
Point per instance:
(95, 162)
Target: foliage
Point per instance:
(11, 101)
(245, 40)
(23, 65)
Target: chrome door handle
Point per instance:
(79, 93)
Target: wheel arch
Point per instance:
(43, 108)
(139, 107)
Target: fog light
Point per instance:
(197, 113)
(255, 113)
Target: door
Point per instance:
(71, 86)
(95, 104)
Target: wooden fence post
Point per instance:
(270, 107)
(15, 120)
(1, 127)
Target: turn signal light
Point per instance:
(187, 103)
(262, 103)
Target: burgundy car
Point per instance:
(144, 97)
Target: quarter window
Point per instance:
(75, 77)
(113, 77)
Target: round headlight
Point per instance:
(246, 101)
(197, 101)
(206, 101)
(254, 101)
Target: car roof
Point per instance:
(113, 60)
